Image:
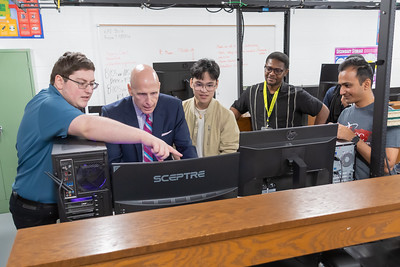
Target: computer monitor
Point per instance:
(328, 78)
(94, 109)
(175, 78)
(311, 89)
(141, 186)
(286, 158)
(394, 94)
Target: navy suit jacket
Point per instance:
(169, 124)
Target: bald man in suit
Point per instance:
(166, 112)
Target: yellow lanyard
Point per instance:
(271, 107)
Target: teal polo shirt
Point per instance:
(46, 117)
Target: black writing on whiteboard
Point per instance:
(116, 34)
(116, 78)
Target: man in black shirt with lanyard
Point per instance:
(276, 104)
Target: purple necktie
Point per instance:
(148, 127)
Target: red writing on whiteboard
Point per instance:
(165, 52)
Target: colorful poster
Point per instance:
(370, 53)
(18, 23)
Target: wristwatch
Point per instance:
(355, 139)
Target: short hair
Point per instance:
(279, 56)
(69, 63)
(355, 55)
(364, 69)
(205, 65)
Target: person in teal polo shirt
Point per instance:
(55, 113)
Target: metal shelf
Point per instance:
(248, 5)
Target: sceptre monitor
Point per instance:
(286, 158)
(141, 186)
(175, 78)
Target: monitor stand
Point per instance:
(299, 168)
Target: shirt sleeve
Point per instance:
(242, 104)
(114, 151)
(328, 96)
(393, 136)
(343, 118)
(56, 116)
(307, 103)
(229, 142)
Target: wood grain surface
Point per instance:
(233, 232)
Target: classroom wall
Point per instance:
(75, 29)
(314, 35)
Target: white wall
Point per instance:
(316, 33)
(75, 29)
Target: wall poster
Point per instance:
(18, 23)
(370, 53)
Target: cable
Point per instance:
(387, 164)
(355, 163)
(156, 8)
(61, 202)
(242, 37)
(59, 182)
(241, 4)
(341, 168)
(229, 10)
(228, 7)
(60, 194)
(211, 11)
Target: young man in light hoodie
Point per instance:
(213, 128)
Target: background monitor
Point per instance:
(311, 89)
(174, 78)
(286, 158)
(328, 78)
(394, 94)
(141, 186)
(94, 110)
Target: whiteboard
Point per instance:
(124, 46)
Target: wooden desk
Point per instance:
(395, 104)
(244, 124)
(234, 232)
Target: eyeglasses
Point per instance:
(209, 87)
(82, 85)
(275, 70)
